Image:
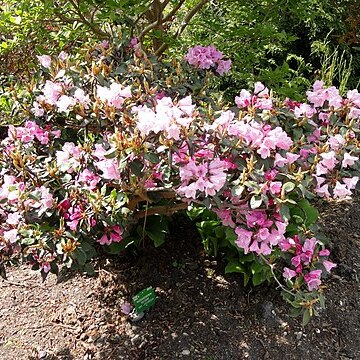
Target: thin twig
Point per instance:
(275, 277)
(184, 24)
(161, 210)
(22, 284)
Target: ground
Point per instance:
(199, 313)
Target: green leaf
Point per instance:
(294, 312)
(246, 279)
(89, 269)
(117, 248)
(237, 190)
(230, 235)
(288, 186)
(79, 255)
(15, 20)
(136, 167)
(306, 317)
(255, 203)
(310, 212)
(284, 212)
(28, 241)
(152, 157)
(256, 267)
(258, 278)
(234, 266)
(156, 229)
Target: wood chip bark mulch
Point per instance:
(199, 313)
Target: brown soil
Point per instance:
(199, 312)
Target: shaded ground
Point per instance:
(199, 313)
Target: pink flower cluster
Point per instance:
(264, 232)
(208, 177)
(306, 256)
(167, 117)
(110, 236)
(114, 95)
(260, 99)
(320, 95)
(31, 131)
(73, 214)
(68, 159)
(206, 57)
(53, 94)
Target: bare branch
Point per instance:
(173, 11)
(85, 21)
(190, 15)
(165, 3)
(160, 20)
(193, 11)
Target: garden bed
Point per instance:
(199, 312)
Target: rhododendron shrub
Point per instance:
(105, 146)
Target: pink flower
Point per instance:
(288, 274)
(37, 110)
(304, 110)
(244, 100)
(257, 218)
(63, 56)
(204, 57)
(186, 105)
(329, 160)
(223, 67)
(47, 199)
(134, 42)
(76, 215)
(354, 97)
(89, 179)
(115, 95)
(286, 244)
(341, 191)
(275, 187)
(319, 95)
(225, 217)
(115, 235)
(64, 205)
(296, 261)
(126, 308)
(350, 183)
(336, 141)
(44, 60)
(349, 160)
(64, 103)
(68, 159)
(260, 90)
(110, 169)
(291, 158)
(328, 265)
(51, 92)
(244, 238)
(279, 160)
(354, 113)
(313, 279)
(13, 218)
(315, 136)
(324, 252)
(11, 235)
(81, 98)
(104, 240)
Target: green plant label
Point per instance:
(144, 300)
